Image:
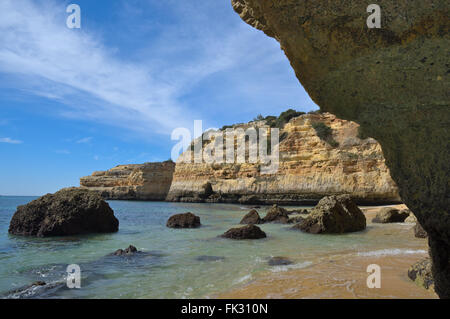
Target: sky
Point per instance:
(75, 101)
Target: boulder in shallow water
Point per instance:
(186, 220)
(70, 211)
(334, 215)
(420, 273)
(276, 215)
(209, 258)
(251, 218)
(390, 215)
(246, 232)
(131, 250)
(279, 261)
(419, 232)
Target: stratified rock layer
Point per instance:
(393, 81)
(149, 181)
(310, 168)
(69, 211)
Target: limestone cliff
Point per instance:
(149, 181)
(393, 81)
(309, 169)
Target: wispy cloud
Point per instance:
(9, 140)
(84, 140)
(142, 91)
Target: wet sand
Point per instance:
(344, 276)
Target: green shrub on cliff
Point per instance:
(325, 133)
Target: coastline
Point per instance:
(343, 276)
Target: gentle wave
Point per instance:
(391, 252)
(243, 279)
(290, 267)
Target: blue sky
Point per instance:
(73, 101)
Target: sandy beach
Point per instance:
(344, 275)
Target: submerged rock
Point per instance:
(131, 250)
(209, 258)
(251, 218)
(187, 220)
(246, 232)
(420, 273)
(276, 215)
(279, 261)
(419, 232)
(69, 211)
(334, 215)
(390, 215)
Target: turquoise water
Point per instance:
(170, 269)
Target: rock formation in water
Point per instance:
(247, 232)
(310, 168)
(186, 220)
(390, 215)
(149, 181)
(392, 80)
(70, 211)
(333, 215)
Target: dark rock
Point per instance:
(296, 220)
(279, 261)
(419, 232)
(131, 250)
(298, 211)
(421, 274)
(69, 211)
(187, 220)
(246, 232)
(251, 218)
(209, 258)
(334, 214)
(276, 215)
(390, 215)
(207, 190)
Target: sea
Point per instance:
(175, 263)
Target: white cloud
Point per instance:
(9, 140)
(146, 92)
(84, 140)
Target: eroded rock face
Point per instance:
(310, 168)
(149, 181)
(186, 220)
(393, 81)
(69, 211)
(334, 215)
